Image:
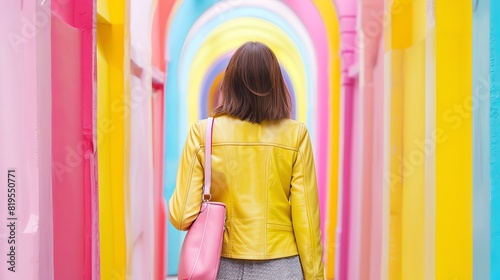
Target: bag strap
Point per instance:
(208, 160)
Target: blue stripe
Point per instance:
(495, 137)
(185, 17)
(480, 140)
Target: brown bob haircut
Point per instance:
(253, 88)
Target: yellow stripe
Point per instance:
(430, 160)
(454, 151)
(112, 115)
(413, 165)
(401, 23)
(229, 36)
(396, 154)
(413, 204)
(104, 14)
(329, 16)
(397, 39)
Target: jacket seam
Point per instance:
(203, 133)
(280, 225)
(308, 211)
(191, 168)
(259, 256)
(229, 236)
(300, 135)
(254, 144)
(267, 200)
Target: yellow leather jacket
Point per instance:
(265, 175)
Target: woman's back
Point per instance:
(265, 175)
(251, 174)
(262, 169)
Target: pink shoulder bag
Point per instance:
(201, 250)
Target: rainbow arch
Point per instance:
(200, 38)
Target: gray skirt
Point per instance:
(276, 269)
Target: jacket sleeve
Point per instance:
(184, 205)
(305, 210)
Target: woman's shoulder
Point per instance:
(290, 124)
(228, 121)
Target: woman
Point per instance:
(262, 169)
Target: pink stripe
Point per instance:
(347, 23)
(28, 238)
(365, 172)
(68, 149)
(162, 11)
(44, 95)
(140, 232)
(72, 149)
(159, 202)
(356, 183)
(377, 167)
(371, 191)
(18, 143)
(88, 130)
(341, 270)
(96, 275)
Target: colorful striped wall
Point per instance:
(400, 97)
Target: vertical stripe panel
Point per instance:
(112, 114)
(430, 133)
(18, 143)
(328, 13)
(413, 162)
(495, 138)
(401, 36)
(396, 155)
(454, 153)
(414, 142)
(44, 92)
(481, 137)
